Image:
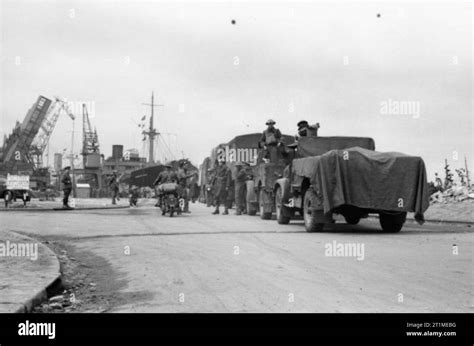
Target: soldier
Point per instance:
(165, 176)
(209, 193)
(133, 195)
(194, 187)
(183, 183)
(221, 185)
(67, 187)
(271, 141)
(114, 187)
(244, 173)
(304, 129)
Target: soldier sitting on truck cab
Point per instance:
(304, 129)
(271, 141)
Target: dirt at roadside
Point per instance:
(88, 284)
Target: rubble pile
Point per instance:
(454, 194)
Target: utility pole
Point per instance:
(151, 133)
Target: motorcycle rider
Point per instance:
(165, 176)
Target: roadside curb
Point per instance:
(69, 210)
(54, 269)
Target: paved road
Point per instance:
(205, 263)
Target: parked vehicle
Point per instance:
(10, 193)
(345, 175)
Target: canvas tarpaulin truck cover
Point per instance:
(313, 146)
(368, 179)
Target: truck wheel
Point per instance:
(281, 219)
(392, 223)
(263, 215)
(352, 220)
(310, 222)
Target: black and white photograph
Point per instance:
(218, 159)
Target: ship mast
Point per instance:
(151, 133)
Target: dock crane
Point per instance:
(24, 148)
(90, 142)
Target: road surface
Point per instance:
(139, 261)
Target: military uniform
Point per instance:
(133, 196)
(209, 191)
(67, 188)
(183, 183)
(114, 186)
(244, 173)
(270, 140)
(222, 182)
(304, 129)
(166, 176)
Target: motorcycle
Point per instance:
(171, 200)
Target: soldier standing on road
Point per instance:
(271, 140)
(244, 173)
(67, 187)
(114, 186)
(209, 191)
(221, 184)
(183, 183)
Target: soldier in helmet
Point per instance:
(221, 183)
(244, 173)
(304, 129)
(209, 191)
(67, 186)
(114, 187)
(270, 141)
(165, 176)
(183, 177)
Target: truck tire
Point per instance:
(263, 215)
(310, 222)
(392, 223)
(352, 220)
(281, 219)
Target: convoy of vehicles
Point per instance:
(317, 177)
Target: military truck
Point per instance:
(346, 176)
(259, 190)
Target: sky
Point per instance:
(336, 63)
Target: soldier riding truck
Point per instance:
(346, 176)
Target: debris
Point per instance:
(452, 195)
(56, 299)
(56, 306)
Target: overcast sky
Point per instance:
(332, 63)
